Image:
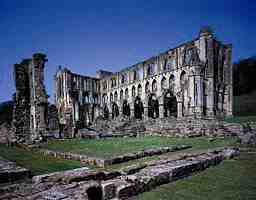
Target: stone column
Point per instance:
(161, 107)
(179, 109)
(198, 91)
(132, 109)
(209, 89)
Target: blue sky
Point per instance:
(90, 35)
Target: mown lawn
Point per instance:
(233, 179)
(105, 148)
(36, 162)
(241, 119)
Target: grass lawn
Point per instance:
(117, 146)
(37, 163)
(232, 179)
(241, 119)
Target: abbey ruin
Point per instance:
(191, 81)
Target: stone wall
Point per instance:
(30, 99)
(193, 80)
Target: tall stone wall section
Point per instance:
(30, 99)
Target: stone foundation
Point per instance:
(92, 185)
(10, 172)
(114, 160)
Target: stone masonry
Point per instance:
(193, 80)
(30, 99)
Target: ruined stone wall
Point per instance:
(30, 99)
(192, 80)
(77, 98)
(21, 111)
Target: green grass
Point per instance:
(118, 146)
(233, 179)
(37, 163)
(40, 164)
(241, 119)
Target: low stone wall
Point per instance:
(114, 160)
(10, 172)
(89, 184)
(163, 172)
(172, 127)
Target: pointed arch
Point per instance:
(139, 90)
(163, 83)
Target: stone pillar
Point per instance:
(198, 91)
(161, 107)
(179, 109)
(209, 89)
(132, 109)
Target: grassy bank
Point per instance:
(37, 163)
(233, 179)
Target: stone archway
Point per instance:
(105, 112)
(153, 106)
(115, 110)
(170, 104)
(138, 108)
(126, 108)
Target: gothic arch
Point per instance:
(138, 108)
(147, 88)
(121, 95)
(126, 93)
(154, 86)
(163, 83)
(139, 92)
(153, 106)
(115, 110)
(183, 80)
(126, 108)
(172, 83)
(111, 97)
(115, 96)
(170, 104)
(105, 111)
(133, 91)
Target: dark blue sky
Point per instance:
(88, 35)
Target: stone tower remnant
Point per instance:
(30, 99)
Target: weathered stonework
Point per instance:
(30, 99)
(193, 80)
(77, 100)
(89, 184)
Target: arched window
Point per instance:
(126, 93)
(154, 86)
(104, 98)
(133, 91)
(172, 83)
(183, 80)
(123, 78)
(147, 88)
(163, 83)
(139, 90)
(150, 69)
(121, 95)
(135, 75)
(111, 97)
(115, 96)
